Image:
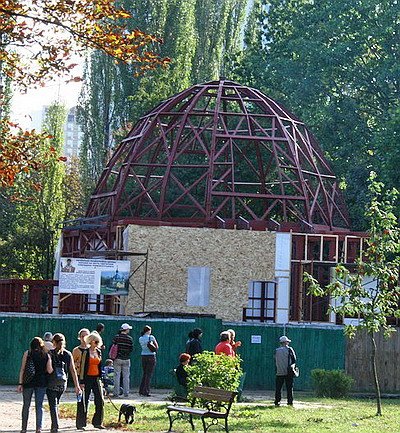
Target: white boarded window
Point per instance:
(198, 291)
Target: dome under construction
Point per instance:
(223, 155)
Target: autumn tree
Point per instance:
(371, 291)
(38, 41)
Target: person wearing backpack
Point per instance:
(62, 364)
(122, 362)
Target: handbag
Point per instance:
(29, 371)
(292, 370)
(113, 352)
(59, 376)
(151, 346)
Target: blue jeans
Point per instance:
(27, 397)
(121, 366)
(54, 399)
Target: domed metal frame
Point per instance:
(220, 155)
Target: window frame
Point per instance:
(264, 299)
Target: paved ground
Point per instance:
(11, 405)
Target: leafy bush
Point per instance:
(217, 371)
(331, 383)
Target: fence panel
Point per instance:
(315, 347)
(358, 362)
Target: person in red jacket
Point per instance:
(224, 346)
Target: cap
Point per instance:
(125, 326)
(284, 339)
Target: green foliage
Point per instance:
(334, 64)
(379, 266)
(217, 371)
(199, 37)
(370, 291)
(331, 383)
(31, 223)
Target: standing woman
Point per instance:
(42, 362)
(77, 357)
(148, 359)
(62, 363)
(90, 378)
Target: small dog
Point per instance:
(128, 410)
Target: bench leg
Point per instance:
(170, 420)
(226, 425)
(204, 424)
(191, 421)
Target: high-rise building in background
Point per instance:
(72, 134)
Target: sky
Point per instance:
(27, 107)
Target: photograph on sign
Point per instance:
(94, 276)
(115, 282)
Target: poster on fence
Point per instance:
(94, 276)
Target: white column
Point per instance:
(282, 276)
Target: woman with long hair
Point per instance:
(90, 380)
(62, 364)
(40, 359)
(148, 360)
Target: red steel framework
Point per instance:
(220, 155)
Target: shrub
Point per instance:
(217, 371)
(331, 383)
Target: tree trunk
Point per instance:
(376, 380)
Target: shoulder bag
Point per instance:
(151, 346)
(293, 370)
(30, 370)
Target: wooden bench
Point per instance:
(206, 403)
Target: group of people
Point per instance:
(227, 346)
(285, 358)
(47, 363)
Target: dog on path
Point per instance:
(128, 411)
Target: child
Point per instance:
(108, 376)
(180, 371)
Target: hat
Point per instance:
(284, 339)
(125, 326)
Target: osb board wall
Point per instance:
(358, 362)
(234, 256)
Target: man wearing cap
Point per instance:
(122, 363)
(284, 357)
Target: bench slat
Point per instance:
(187, 409)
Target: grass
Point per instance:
(311, 415)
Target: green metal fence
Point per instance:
(315, 347)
